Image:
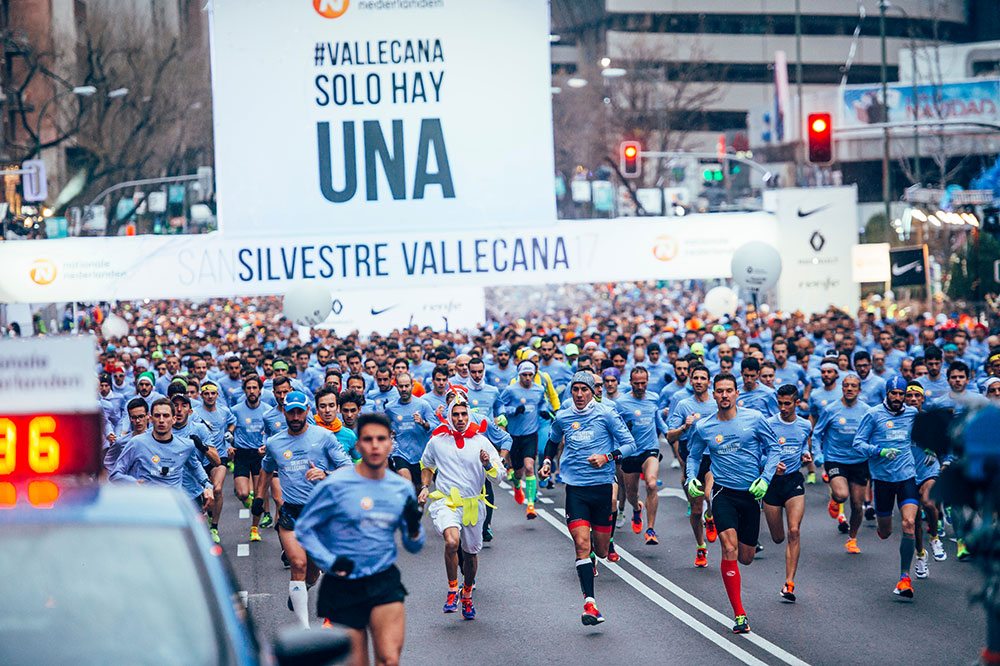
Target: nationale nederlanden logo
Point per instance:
(665, 248)
(43, 271)
(330, 9)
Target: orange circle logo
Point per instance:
(665, 248)
(781, 440)
(43, 272)
(718, 439)
(739, 402)
(842, 420)
(330, 9)
(156, 459)
(367, 503)
(576, 426)
(288, 454)
(888, 424)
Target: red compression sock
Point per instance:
(731, 579)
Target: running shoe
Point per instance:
(674, 464)
(711, 533)
(758, 548)
(591, 615)
(788, 592)
(487, 534)
(613, 555)
(208, 520)
(962, 553)
(852, 547)
(701, 558)
(833, 509)
(231, 466)
(248, 501)
(938, 549)
(518, 494)
(920, 566)
(940, 529)
(742, 625)
(869, 512)
(468, 610)
(215, 535)
(904, 588)
(826, 478)
(284, 560)
(637, 520)
(510, 475)
(620, 521)
(266, 520)
(811, 478)
(327, 624)
(254, 534)
(842, 524)
(651, 538)
(529, 513)
(451, 602)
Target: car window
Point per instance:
(77, 594)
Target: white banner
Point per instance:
(818, 227)
(126, 268)
(54, 374)
(385, 310)
(333, 115)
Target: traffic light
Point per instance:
(629, 159)
(819, 131)
(711, 174)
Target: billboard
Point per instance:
(976, 101)
(387, 115)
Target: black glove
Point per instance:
(198, 444)
(546, 415)
(519, 410)
(412, 515)
(342, 565)
(628, 424)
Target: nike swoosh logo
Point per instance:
(375, 312)
(814, 210)
(898, 270)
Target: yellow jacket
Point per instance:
(543, 380)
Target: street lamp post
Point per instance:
(885, 110)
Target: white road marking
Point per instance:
(243, 597)
(705, 608)
(672, 492)
(242, 550)
(244, 513)
(504, 485)
(662, 602)
(545, 500)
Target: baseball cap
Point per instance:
(296, 400)
(571, 350)
(279, 365)
(698, 348)
(181, 397)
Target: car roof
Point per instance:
(107, 503)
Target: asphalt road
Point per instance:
(659, 607)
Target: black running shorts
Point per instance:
(287, 515)
(246, 462)
(523, 446)
(633, 464)
(589, 505)
(888, 493)
(349, 601)
(857, 474)
(783, 488)
(398, 462)
(736, 510)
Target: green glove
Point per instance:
(694, 488)
(889, 454)
(501, 421)
(758, 488)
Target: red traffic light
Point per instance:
(819, 139)
(629, 159)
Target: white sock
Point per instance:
(300, 601)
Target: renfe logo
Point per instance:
(330, 8)
(43, 272)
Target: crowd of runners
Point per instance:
(339, 440)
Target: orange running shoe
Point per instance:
(637, 519)
(529, 512)
(701, 559)
(903, 587)
(788, 592)
(613, 555)
(852, 547)
(327, 624)
(591, 615)
(518, 493)
(833, 509)
(710, 532)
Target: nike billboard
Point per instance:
(908, 267)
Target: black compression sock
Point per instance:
(585, 571)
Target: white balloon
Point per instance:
(114, 326)
(721, 301)
(308, 304)
(756, 266)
